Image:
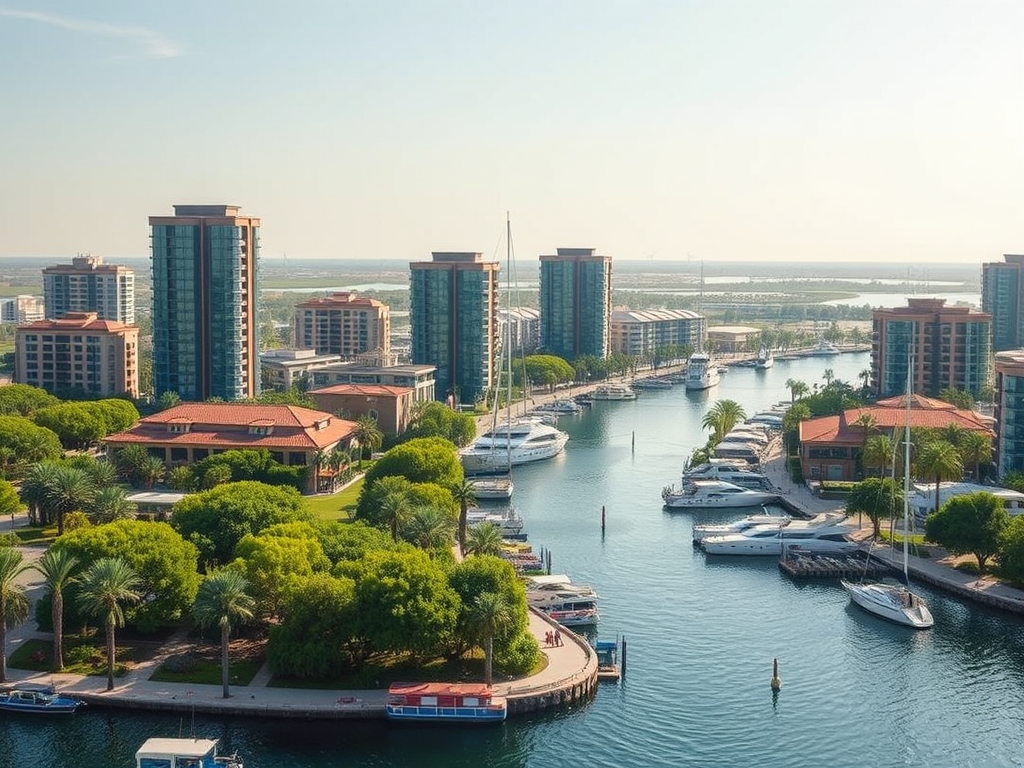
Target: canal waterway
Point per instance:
(702, 633)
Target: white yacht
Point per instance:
(891, 601)
(492, 487)
(824, 533)
(701, 373)
(569, 604)
(738, 449)
(562, 405)
(613, 392)
(509, 522)
(715, 494)
(512, 444)
(824, 349)
(735, 472)
(706, 530)
(765, 359)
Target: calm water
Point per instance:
(702, 634)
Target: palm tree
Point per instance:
(151, 471)
(222, 600)
(723, 416)
(13, 601)
(865, 377)
(464, 493)
(797, 389)
(58, 569)
(489, 615)
(70, 489)
(395, 508)
(866, 422)
(107, 587)
(939, 460)
(976, 448)
(429, 528)
(484, 539)
(109, 504)
(828, 376)
(35, 489)
(877, 452)
(368, 435)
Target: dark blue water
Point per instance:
(702, 634)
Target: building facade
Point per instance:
(419, 378)
(949, 346)
(78, 352)
(453, 318)
(1009, 412)
(575, 303)
(650, 333)
(343, 324)
(391, 407)
(89, 285)
(281, 368)
(521, 326)
(205, 330)
(1002, 297)
(22, 309)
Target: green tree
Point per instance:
(164, 563)
(368, 435)
(464, 494)
(423, 460)
(130, 460)
(107, 587)
(217, 519)
(10, 503)
(877, 453)
(484, 539)
(151, 471)
(275, 560)
(395, 509)
(59, 571)
(878, 498)
(13, 601)
(110, 503)
(429, 528)
(490, 614)
(547, 370)
(181, 478)
(117, 414)
(27, 441)
(939, 461)
(971, 523)
(1011, 550)
(959, 397)
(797, 389)
(222, 601)
(316, 636)
(24, 400)
(975, 448)
(351, 541)
(77, 425)
(723, 416)
(218, 474)
(168, 400)
(69, 489)
(435, 419)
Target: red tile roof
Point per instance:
(887, 416)
(361, 389)
(226, 425)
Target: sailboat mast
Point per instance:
(507, 343)
(906, 470)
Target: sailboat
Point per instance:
(517, 441)
(896, 602)
(701, 371)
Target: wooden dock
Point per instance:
(800, 565)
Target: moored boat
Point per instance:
(715, 494)
(735, 472)
(706, 530)
(613, 392)
(183, 753)
(513, 444)
(825, 533)
(701, 372)
(571, 605)
(491, 487)
(35, 699)
(446, 702)
(765, 359)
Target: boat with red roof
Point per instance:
(451, 702)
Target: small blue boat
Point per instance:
(37, 699)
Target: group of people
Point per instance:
(553, 638)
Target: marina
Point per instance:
(705, 628)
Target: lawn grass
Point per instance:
(340, 506)
(36, 535)
(82, 656)
(207, 672)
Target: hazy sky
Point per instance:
(719, 129)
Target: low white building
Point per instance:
(922, 497)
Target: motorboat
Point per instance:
(745, 435)
(613, 392)
(896, 602)
(445, 702)
(571, 605)
(705, 530)
(701, 373)
(492, 487)
(735, 472)
(183, 753)
(767, 418)
(562, 405)
(765, 359)
(512, 444)
(736, 449)
(509, 522)
(824, 349)
(652, 383)
(37, 699)
(712, 494)
(824, 533)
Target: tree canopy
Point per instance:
(24, 400)
(436, 419)
(548, 370)
(315, 638)
(969, 524)
(422, 460)
(878, 498)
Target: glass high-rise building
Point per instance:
(89, 285)
(575, 303)
(205, 330)
(1009, 412)
(1002, 296)
(453, 318)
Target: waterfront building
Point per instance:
(1009, 412)
(521, 326)
(1002, 297)
(419, 378)
(22, 309)
(453, 317)
(343, 324)
(189, 432)
(830, 446)
(950, 347)
(575, 303)
(390, 407)
(642, 333)
(734, 338)
(205, 330)
(78, 352)
(280, 368)
(89, 285)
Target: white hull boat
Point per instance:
(613, 392)
(737, 473)
(891, 601)
(509, 522)
(765, 360)
(701, 373)
(823, 534)
(704, 531)
(518, 443)
(715, 494)
(492, 487)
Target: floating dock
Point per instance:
(811, 565)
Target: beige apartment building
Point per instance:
(78, 351)
(87, 284)
(343, 324)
